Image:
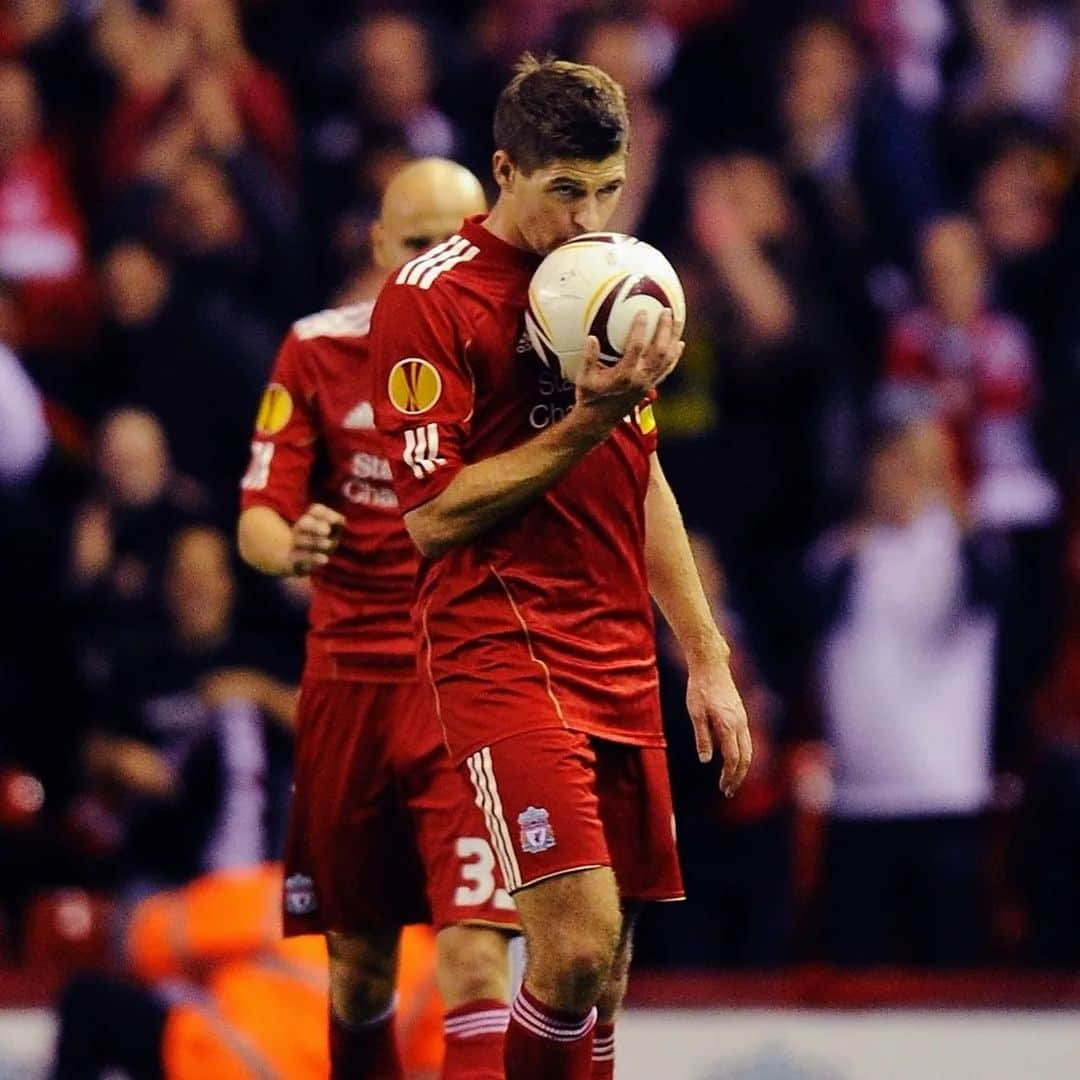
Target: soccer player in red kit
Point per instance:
(377, 804)
(545, 522)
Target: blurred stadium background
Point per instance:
(875, 209)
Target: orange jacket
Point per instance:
(257, 1006)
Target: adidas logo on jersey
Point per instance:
(360, 417)
(424, 269)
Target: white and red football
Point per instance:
(596, 284)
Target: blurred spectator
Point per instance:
(189, 63)
(860, 158)
(121, 533)
(1024, 48)
(906, 674)
(909, 38)
(736, 854)
(42, 244)
(977, 366)
(637, 50)
(162, 345)
(784, 385)
(385, 116)
(186, 752)
(1017, 202)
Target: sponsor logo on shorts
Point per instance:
(536, 832)
(300, 895)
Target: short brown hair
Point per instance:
(556, 109)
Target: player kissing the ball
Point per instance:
(541, 552)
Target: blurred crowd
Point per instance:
(874, 433)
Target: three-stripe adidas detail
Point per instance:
(422, 450)
(424, 269)
(487, 798)
(546, 1027)
(489, 1022)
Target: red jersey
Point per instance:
(545, 619)
(315, 441)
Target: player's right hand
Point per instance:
(315, 535)
(609, 392)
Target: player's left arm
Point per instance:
(715, 707)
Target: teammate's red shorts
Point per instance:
(383, 830)
(556, 800)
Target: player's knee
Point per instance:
(362, 976)
(579, 963)
(473, 965)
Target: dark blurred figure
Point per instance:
(862, 170)
(637, 50)
(187, 752)
(162, 347)
(1051, 865)
(736, 854)
(784, 393)
(122, 532)
(381, 114)
(906, 674)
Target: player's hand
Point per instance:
(719, 718)
(314, 537)
(609, 392)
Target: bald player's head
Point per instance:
(423, 204)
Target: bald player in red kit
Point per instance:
(546, 524)
(378, 809)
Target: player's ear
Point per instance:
(504, 170)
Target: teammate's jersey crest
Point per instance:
(415, 385)
(275, 410)
(300, 895)
(536, 832)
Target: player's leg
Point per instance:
(363, 973)
(351, 870)
(634, 794)
(470, 907)
(537, 792)
(572, 930)
(474, 982)
(611, 999)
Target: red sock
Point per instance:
(475, 1034)
(365, 1051)
(603, 1050)
(546, 1044)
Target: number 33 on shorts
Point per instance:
(478, 875)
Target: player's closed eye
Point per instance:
(418, 243)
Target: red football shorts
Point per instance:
(383, 830)
(556, 800)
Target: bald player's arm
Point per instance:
(269, 544)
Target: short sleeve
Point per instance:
(424, 388)
(284, 444)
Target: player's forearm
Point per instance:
(264, 538)
(484, 493)
(673, 576)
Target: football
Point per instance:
(595, 284)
